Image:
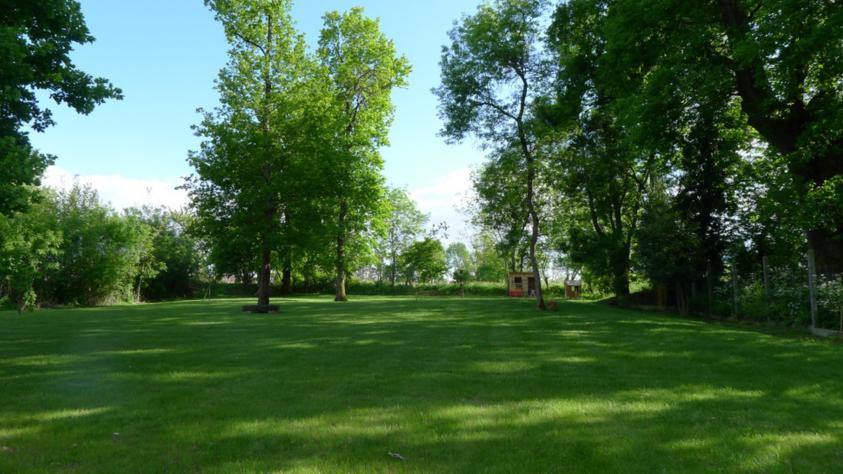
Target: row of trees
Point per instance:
(68, 248)
(288, 177)
(289, 163)
(660, 138)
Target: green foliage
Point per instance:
(362, 68)
(666, 246)
(499, 205)
(100, 251)
(424, 261)
(492, 73)
(36, 39)
(29, 247)
(70, 249)
(492, 60)
(489, 266)
(665, 59)
(458, 257)
(173, 259)
(404, 224)
(289, 171)
(461, 276)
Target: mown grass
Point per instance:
(473, 385)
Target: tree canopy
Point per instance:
(36, 39)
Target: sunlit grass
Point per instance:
(449, 384)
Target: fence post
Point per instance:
(734, 291)
(766, 271)
(812, 288)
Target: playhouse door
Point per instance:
(531, 286)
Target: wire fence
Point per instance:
(791, 296)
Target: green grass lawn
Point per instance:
(451, 385)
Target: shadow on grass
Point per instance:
(450, 384)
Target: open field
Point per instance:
(472, 385)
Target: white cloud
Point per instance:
(443, 199)
(122, 191)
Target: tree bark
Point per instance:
(265, 274)
(287, 277)
(340, 261)
(534, 238)
(394, 268)
(682, 298)
(621, 284)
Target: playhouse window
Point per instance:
(518, 283)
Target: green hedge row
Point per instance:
(232, 290)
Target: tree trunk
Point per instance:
(138, 297)
(682, 298)
(265, 272)
(534, 238)
(287, 278)
(621, 284)
(340, 283)
(264, 275)
(394, 268)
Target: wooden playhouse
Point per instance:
(521, 284)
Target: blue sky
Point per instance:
(165, 54)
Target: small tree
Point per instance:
(148, 263)
(424, 261)
(404, 225)
(29, 245)
(461, 276)
(458, 257)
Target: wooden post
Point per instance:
(812, 288)
(766, 268)
(734, 291)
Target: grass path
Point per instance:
(451, 385)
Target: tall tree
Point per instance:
(363, 68)
(780, 57)
(491, 74)
(404, 225)
(36, 38)
(631, 127)
(251, 140)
